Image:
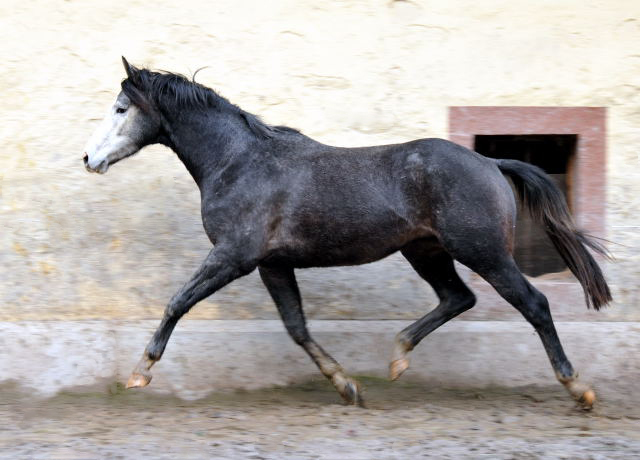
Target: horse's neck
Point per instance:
(206, 142)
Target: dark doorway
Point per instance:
(534, 253)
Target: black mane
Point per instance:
(172, 91)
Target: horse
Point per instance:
(277, 200)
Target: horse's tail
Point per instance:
(547, 205)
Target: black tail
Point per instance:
(548, 206)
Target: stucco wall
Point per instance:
(79, 246)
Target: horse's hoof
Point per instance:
(138, 380)
(582, 393)
(352, 394)
(397, 367)
(587, 399)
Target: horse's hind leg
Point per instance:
(435, 266)
(506, 278)
(281, 284)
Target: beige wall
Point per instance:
(76, 246)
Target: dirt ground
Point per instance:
(306, 421)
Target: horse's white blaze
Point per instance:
(113, 139)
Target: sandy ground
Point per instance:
(306, 421)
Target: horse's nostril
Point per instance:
(85, 158)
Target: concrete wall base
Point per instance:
(203, 356)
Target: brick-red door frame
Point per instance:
(588, 171)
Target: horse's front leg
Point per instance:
(218, 270)
(281, 284)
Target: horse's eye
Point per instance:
(121, 110)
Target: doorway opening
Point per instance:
(554, 153)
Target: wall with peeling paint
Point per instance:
(78, 246)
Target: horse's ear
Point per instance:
(131, 70)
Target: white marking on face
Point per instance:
(115, 137)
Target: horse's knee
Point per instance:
(175, 309)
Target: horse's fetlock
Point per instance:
(153, 353)
(565, 379)
(404, 341)
(154, 356)
(332, 370)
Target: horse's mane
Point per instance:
(172, 91)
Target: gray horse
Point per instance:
(276, 200)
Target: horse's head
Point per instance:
(131, 123)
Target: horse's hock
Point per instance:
(88, 265)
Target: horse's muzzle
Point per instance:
(85, 160)
(100, 169)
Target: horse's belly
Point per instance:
(325, 258)
(343, 247)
